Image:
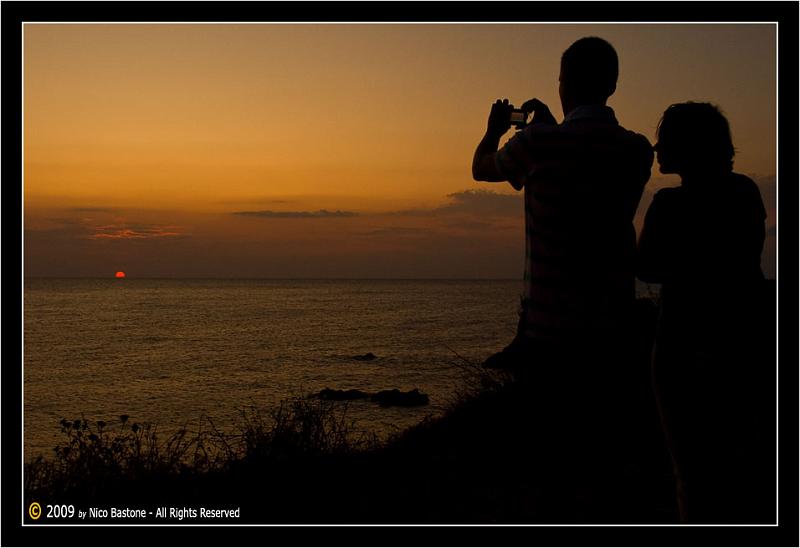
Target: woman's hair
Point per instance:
(699, 133)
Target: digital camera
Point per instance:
(519, 118)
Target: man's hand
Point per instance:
(499, 118)
(541, 114)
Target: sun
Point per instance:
(119, 274)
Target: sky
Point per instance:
(331, 150)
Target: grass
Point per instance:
(97, 458)
(489, 459)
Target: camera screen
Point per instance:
(517, 116)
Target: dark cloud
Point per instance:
(61, 222)
(485, 202)
(472, 224)
(94, 209)
(64, 232)
(402, 231)
(480, 202)
(58, 229)
(259, 200)
(473, 202)
(296, 214)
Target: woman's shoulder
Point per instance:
(742, 182)
(745, 190)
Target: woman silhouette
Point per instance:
(712, 374)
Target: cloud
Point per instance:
(484, 202)
(256, 200)
(474, 202)
(64, 232)
(402, 231)
(135, 231)
(474, 210)
(296, 214)
(472, 224)
(94, 209)
(106, 225)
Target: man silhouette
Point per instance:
(582, 182)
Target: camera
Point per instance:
(519, 118)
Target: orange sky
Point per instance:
(144, 144)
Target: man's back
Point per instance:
(583, 180)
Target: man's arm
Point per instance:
(487, 157)
(483, 164)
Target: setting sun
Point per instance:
(119, 274)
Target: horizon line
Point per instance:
(282, 278)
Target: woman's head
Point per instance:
(694, 138)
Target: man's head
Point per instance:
(589, 70)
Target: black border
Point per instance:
(785, 13)
(401, 11)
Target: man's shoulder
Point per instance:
(541, 129)
(634, 147)
(605, 129)
(581, 130)
(636, 139)
(638, 146)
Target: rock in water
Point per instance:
(369, 356)
(389, 398)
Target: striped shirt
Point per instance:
(582, 180)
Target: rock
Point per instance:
(341, 395)
(388, 398)
(369, 356)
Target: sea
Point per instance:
(179, 353)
